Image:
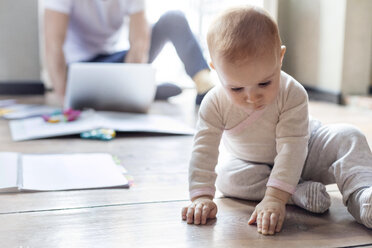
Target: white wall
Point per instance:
(357, 49)
(331, 44)
(328, 43)
(370, 81)
(299, 30)
(19, 47)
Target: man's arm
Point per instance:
(139, 39)
(55, 29)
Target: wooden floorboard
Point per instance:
(148, 214)
(159, 224)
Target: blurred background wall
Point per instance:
(329, 42)
(19, 41)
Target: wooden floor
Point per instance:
(148, 214)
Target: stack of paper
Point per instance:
(48, 172)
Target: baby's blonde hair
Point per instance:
(242, 33)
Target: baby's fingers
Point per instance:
(198, 214)
(190, 214)
(208, 213)
(266, 222)
(259, 222)
(184, 212)
(280, 223)
(253, 218)
(273, 223)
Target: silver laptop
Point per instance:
(110, 86)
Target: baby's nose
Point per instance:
(252, 97)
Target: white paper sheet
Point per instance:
(31, 111)
(70, 171)
(35, 128)
(130, 122)
(7, 102)
(8, 171)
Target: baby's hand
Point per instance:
(199, 211)
(269, 215)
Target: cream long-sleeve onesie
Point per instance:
(276, 135)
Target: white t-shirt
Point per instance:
(94, 25)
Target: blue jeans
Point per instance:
(173, 27)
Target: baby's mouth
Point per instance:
(259, 107)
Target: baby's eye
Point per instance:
(263, 85)
(237, 89)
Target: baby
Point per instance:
(277, 155)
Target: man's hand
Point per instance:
(270, 212)
(199, 211)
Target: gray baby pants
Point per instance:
(338, 153)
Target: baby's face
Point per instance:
(251, 85)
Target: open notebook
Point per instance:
(49, 172)
(36, 128)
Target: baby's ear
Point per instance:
(282, 52)
(211, 65)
